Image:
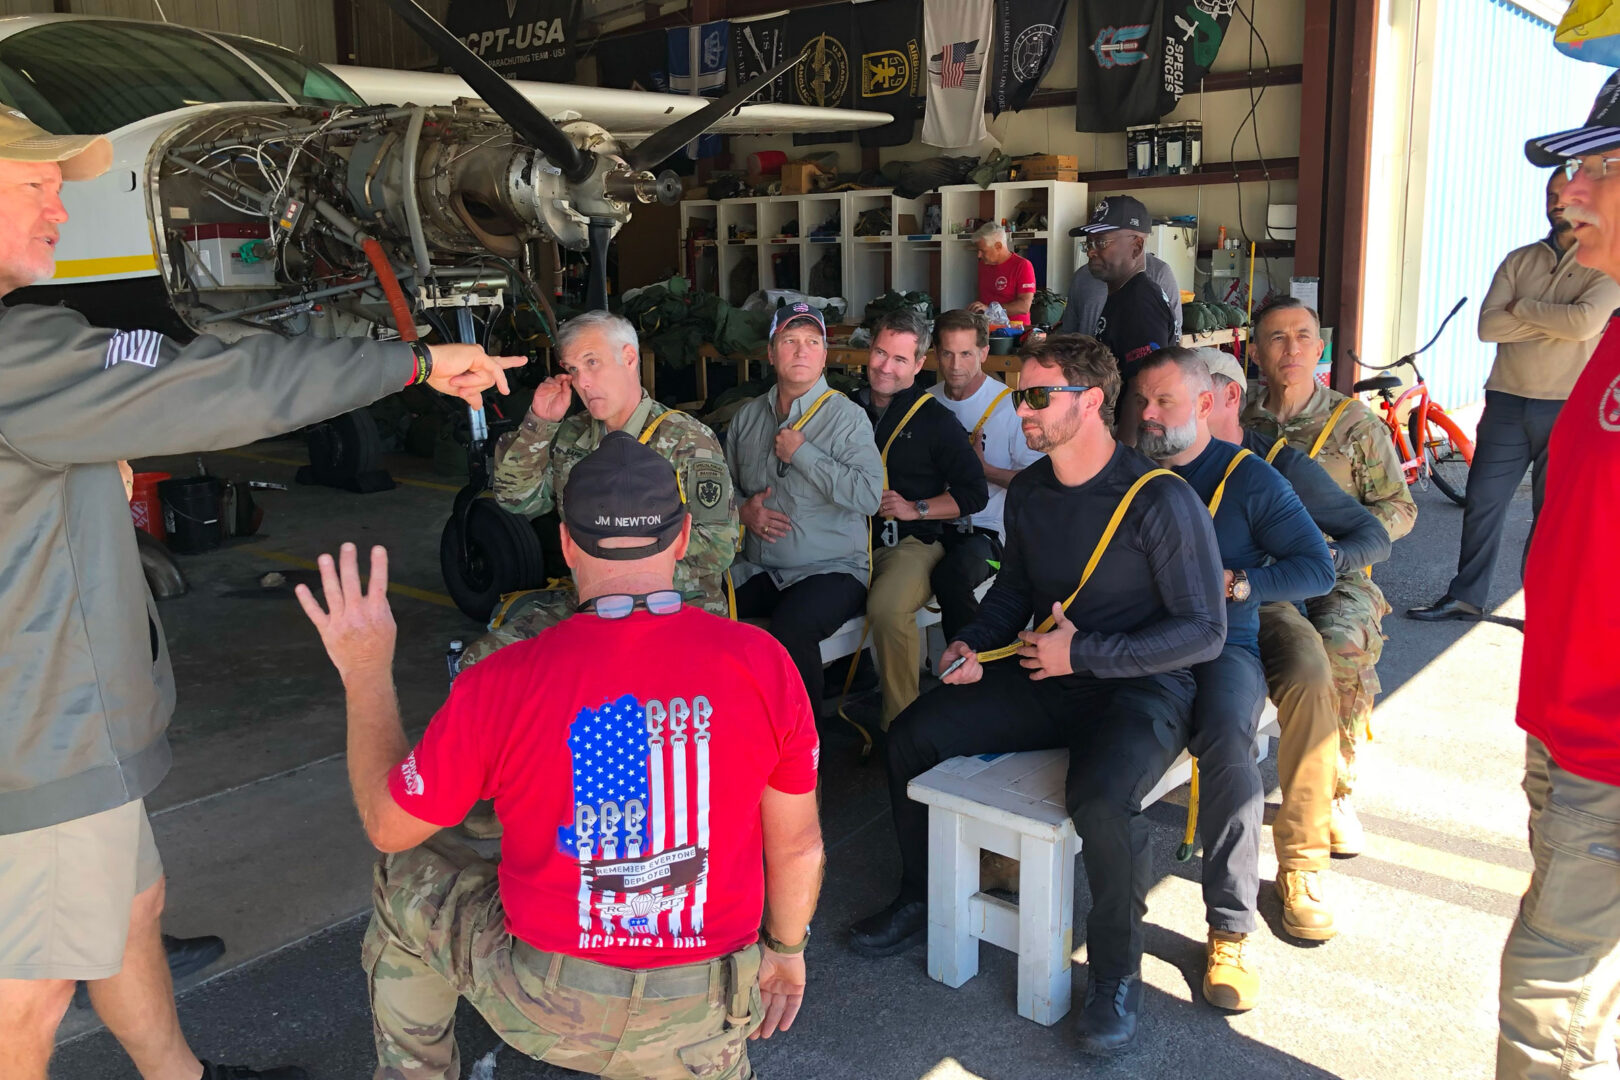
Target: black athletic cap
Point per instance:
(623, 489)
(1600, 132)
(1114, 213)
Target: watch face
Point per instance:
(1240, 589)
(922, 507)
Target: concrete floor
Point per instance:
(263, 847)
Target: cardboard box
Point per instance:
(1048, 167)
(909, 225)
(799, 178)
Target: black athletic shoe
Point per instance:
(1108, 1020)
(242, 1072)
(1447, 607)
(895, 929)
(191, 954)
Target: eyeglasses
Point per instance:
(620, 605)
(1598, 170)
(1039, 397)
(1097, 243)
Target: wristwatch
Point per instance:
(922, 508)
(777, 947)
(1239, 589)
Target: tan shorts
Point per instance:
(66, 891)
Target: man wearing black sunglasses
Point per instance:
(652, 809)
(1104, 675)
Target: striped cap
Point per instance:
(1601, 131)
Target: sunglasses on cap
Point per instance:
(620, 605)
(1039, 397)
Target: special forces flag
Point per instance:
(758, 45)
(888, 39)
(1138, 59)
(1027, 36)
(697, 66)
(826, 75)
(521, 39)
(956, 40)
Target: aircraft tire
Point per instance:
(501, 554)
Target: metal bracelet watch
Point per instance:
(775, 946)
(1239, 589)
(922, 508)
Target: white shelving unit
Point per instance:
(905, 258)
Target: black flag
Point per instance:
(521, 39)
(758, 45)
(827, 75)
(888, 41)
(1138, 59)
(1027, 36)
(635, 62)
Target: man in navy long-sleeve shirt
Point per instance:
(1271, 551)
(1107, 678)
(1298, 675)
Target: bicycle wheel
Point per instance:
(1445, 452)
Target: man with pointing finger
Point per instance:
(653, 809)
(1104, 673)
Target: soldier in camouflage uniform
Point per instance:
(1359, 454)
(602, 363)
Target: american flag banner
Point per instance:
(956, 40)
(133, 347)
(640, 827)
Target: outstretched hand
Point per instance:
(466, 371)
(356, 625)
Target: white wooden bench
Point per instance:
(1013, 804)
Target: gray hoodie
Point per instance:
(86, 690)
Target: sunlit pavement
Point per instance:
(262, 846)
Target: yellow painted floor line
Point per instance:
(1458, 868)
(427, 596)
(254, 455)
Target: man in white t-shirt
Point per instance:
(984, 407)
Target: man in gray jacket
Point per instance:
(86, 689)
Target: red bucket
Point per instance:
(144, 505)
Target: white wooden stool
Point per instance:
(1013, 804)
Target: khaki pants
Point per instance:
(899, 588)
(1299, 678)
(1561, 965)
(438, 931)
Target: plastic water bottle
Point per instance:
(452, 658)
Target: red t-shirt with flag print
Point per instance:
(1006, 281)
(627, 759)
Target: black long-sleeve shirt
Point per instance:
(1263, 530)
(1156, 602)
(931, 455)
(1355, 537)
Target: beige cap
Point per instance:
(82, 157)
(1222, 363)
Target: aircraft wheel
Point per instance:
(499, 554)
(346, 452)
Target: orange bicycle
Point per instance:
(1431, 446)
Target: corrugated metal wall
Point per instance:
(1497, 82)
(381, 38)
(305, 26)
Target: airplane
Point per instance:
(254, 191)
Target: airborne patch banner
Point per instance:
(888, 40)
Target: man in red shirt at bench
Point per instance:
(1005, 277)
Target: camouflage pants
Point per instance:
(530, 613)
(438, 931)
(1350, 620)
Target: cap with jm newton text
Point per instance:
(1115, 213)
(792, 313)
(1600, 132)
(623, 490)
(82, 157)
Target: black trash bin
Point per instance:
(193, 513)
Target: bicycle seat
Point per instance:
(1385, 381)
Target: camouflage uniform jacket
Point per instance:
(531, 474)
(1358, 454)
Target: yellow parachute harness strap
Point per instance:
(1276, 448)
(978, 428)
(866, 621)
(1327, 428)
(815, 406)
(731, 596)
(646, 436)
(1107, 537)
(1184, 852)
(555, 584)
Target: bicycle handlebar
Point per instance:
(1411, 357)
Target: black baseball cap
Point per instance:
(791, 313)
(1114, 213)
(1600, 132)
(623, 489)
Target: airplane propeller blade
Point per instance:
(665, 142)
(596, 289)
(528, 123)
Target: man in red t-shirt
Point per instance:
(647, 759)
(1004, 278)
(1561, 965)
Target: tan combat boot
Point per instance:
(1304, 902)
(1345, 831)
(1230, 979)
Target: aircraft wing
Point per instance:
(632, 113)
